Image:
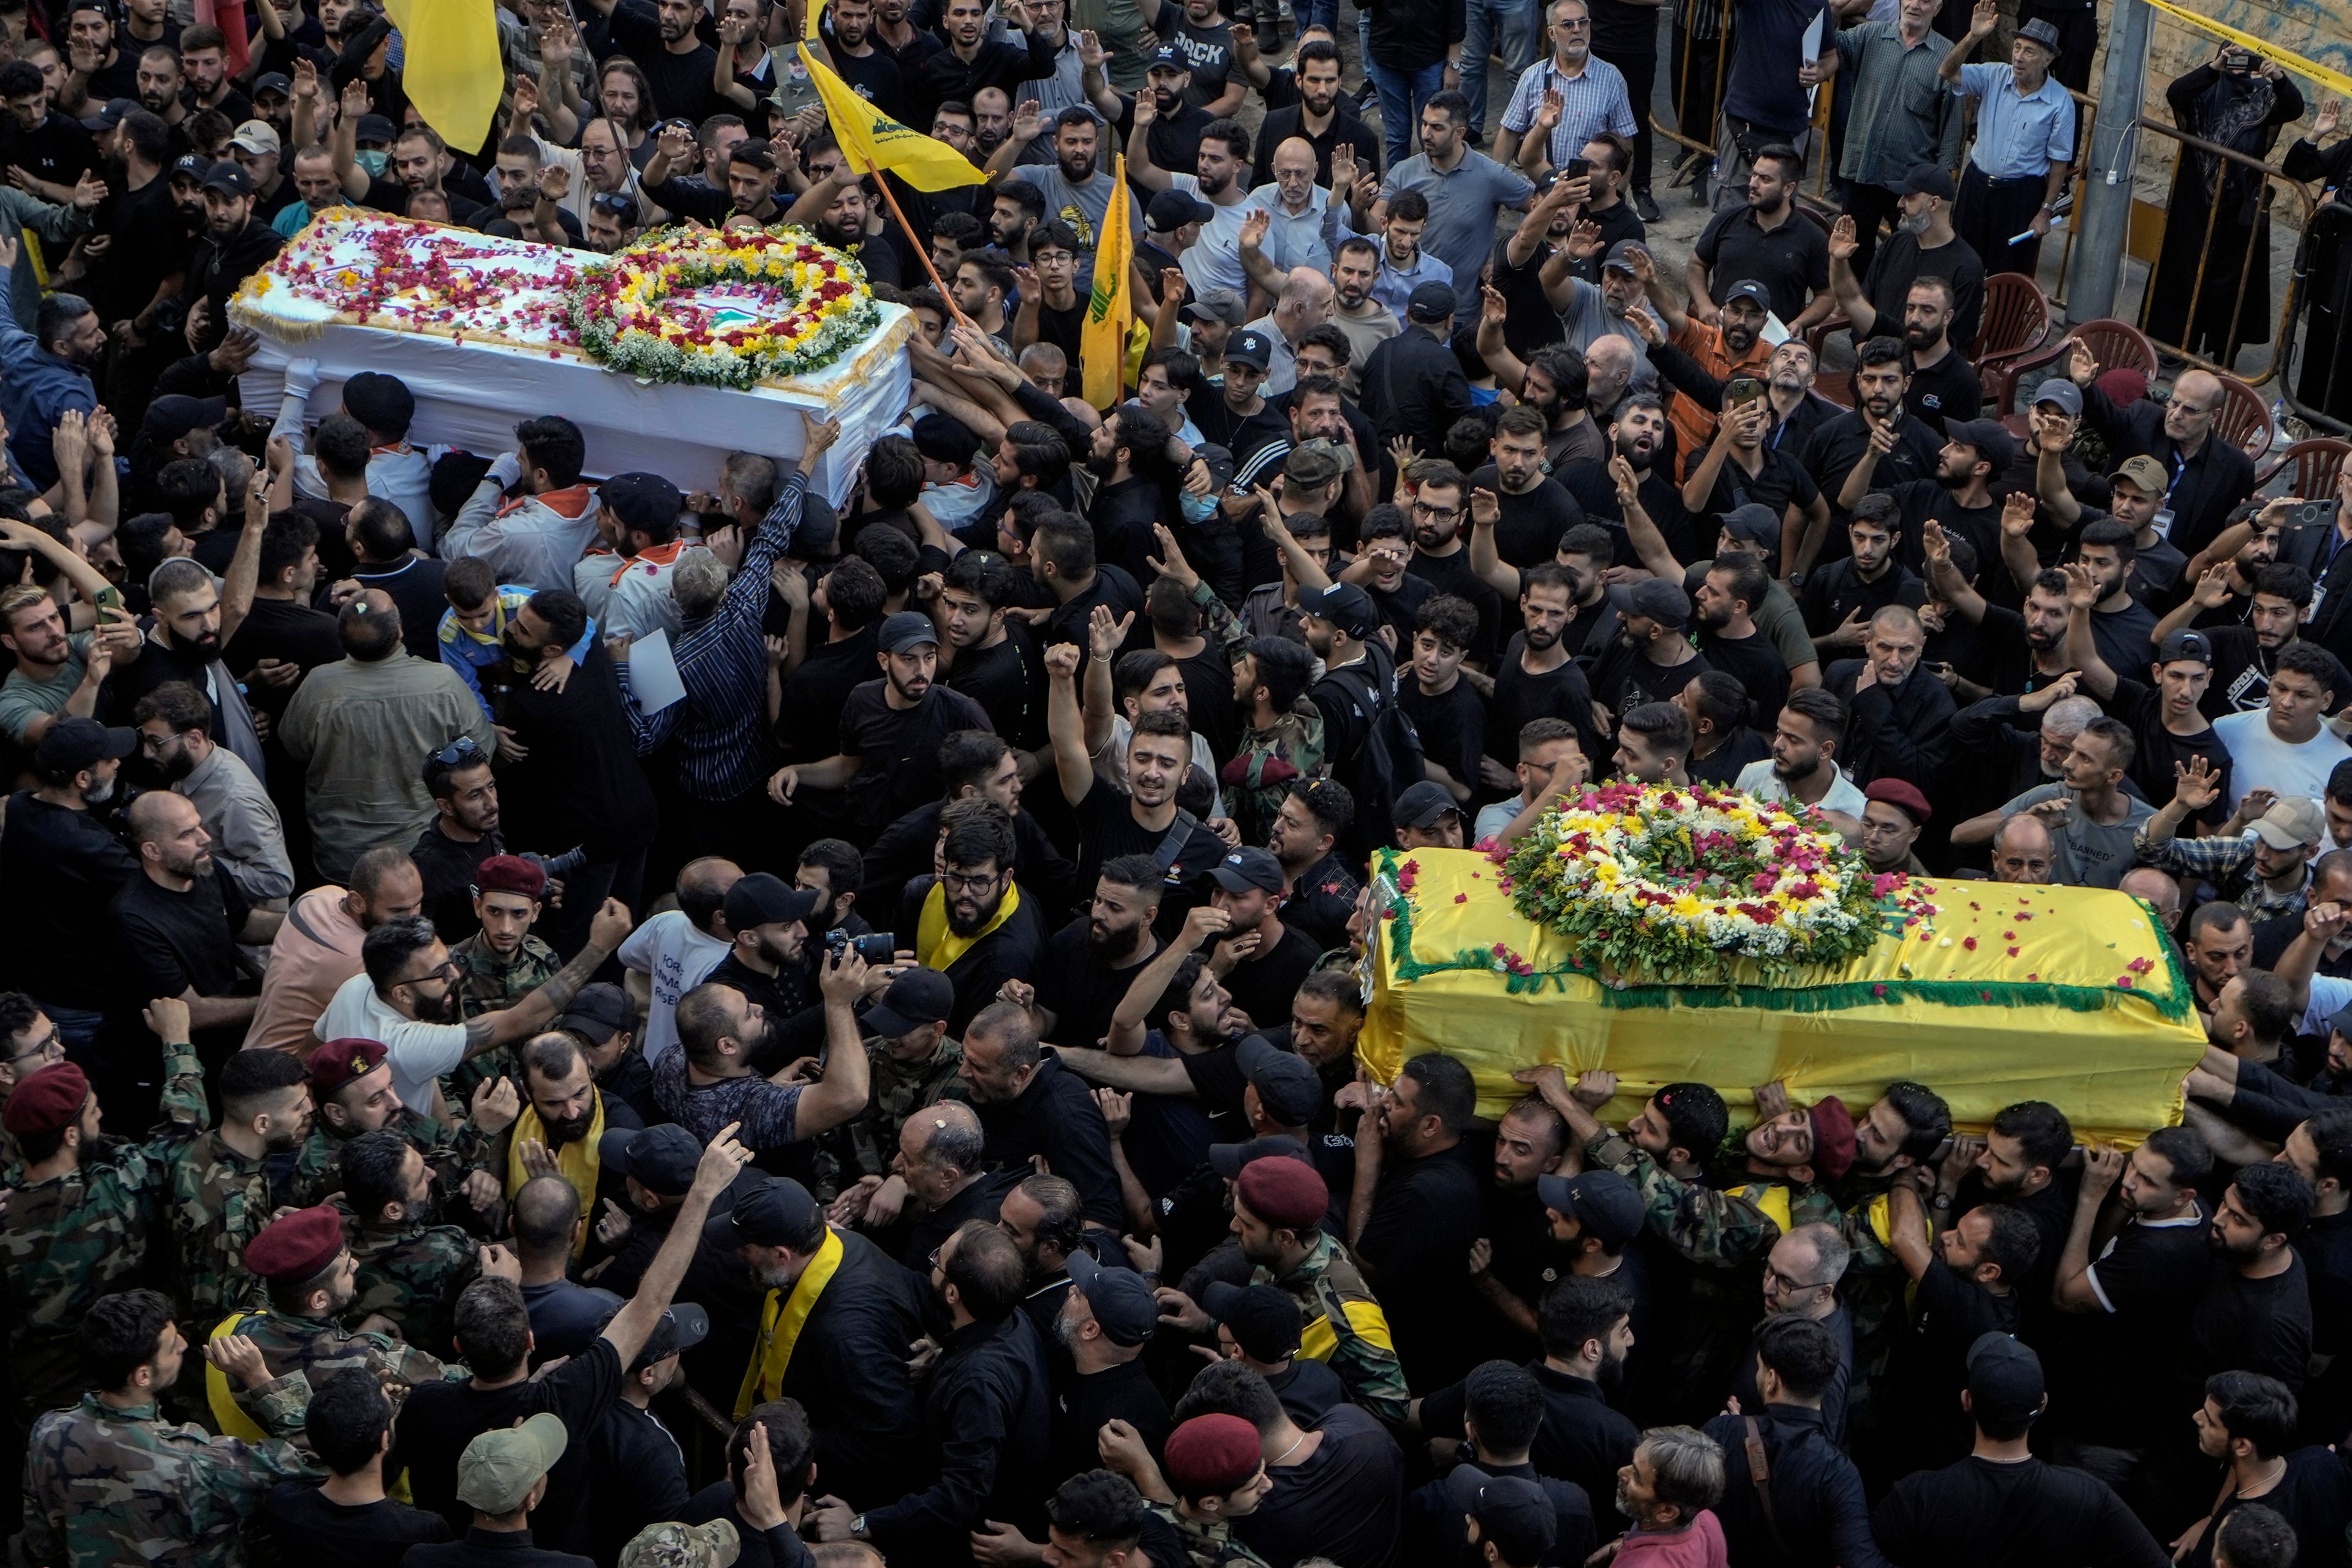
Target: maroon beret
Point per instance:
(298, 1247)
(1210, 1455)
(338, 1062)
(1289, 1195)
(1833, 1137)
(511, 874)
(1903, 796)
(47, 1101)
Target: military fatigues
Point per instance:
(71, 1239)
(125, 1489)
(1264, 766)
(319, 1349)
(220, 1200)
(411, 1276)
(489, 983)
(1207, 1545)
(1344, 1327)
(450, 1154)
(900, 1089)
(1725, 1226)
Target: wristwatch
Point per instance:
(1941, 1201)
(858, 1528)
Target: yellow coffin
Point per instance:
(2066, 994)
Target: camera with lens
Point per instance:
(555, 868)
(874, 947)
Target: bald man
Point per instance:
(2156, 889)
(2022, 850)
(1899, 715)
(2210, 476)
(180, 920)
(941, 1179)
(1303, 304)
(1610, 364)
(1294, 203)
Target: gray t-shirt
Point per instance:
(1083, 207)
(2086, 854)
(1463, 201)
(24, 699)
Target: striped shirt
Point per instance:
(1590, 104)
(2017, 135)
(1898, 102)
(720, 725)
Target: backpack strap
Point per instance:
(1760, 1475)
(1173, 842)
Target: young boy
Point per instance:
(472, 632)
(1446, 709)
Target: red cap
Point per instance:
(511, 874)
(47, 1101)
(1904, 796)
(1833, 1138)
(298, 1247)
(338, 1062)
(1210, 1455)
(1289, 1195)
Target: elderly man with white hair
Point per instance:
(1303, 304)
(1285, 228)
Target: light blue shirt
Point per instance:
(1394, 285)
(1293, 239)
(2017, 135)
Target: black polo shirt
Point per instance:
(1948, 389)
(1781, 480)
(1281, 124)
(1792, 261)
(1900, 260)
(1839, 445)
(1530, 529)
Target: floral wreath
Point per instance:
(1675, 885)
(784, 306)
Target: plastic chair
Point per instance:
(2016, 319)
(2118, 345)
(2311, 467)
(2244, 419)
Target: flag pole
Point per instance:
(921, 250)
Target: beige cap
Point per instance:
(499, 1467)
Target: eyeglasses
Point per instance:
(1423, 509)
(49, 1047)
(970, 882)
(1582, 25)
(455, 751)
(1788, 1285)
(446, 969)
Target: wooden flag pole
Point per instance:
(921, 249)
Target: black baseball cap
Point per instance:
(915, 999)
(1243, 869)
(906, 629)
(2005, 1382)
(2185, 645)
(646, 502)
(1433, 302)
(71, 745)
(1262, 1318)
(1422, 804)
(194, 165)
(1992, 443)
(1289, 1089)
(1929, 179)
(1250, 348)
(229, 176)
(278, 82)
(1227, 1159)
(1512, 1512)
(1345, 606)
(681, 1327)
(1604, 1201)
(766, 898)
(108, 117)
(1754, 293)
(662, 1159)
(599, 1012)
(777, 1212)
(1121, 1298)
(1172, 210)
(1168, 57)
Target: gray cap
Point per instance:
(2061, 392)
(2038, 31)
(1753, 522)
(1655, 599)
(1217, 305)
(1621, 257)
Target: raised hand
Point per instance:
(1105, 632)
(1984, 19)
(1254, 229)
(2017, 515)
(2082, 586)
(2331, 115)
(2195, 784)
(2082, 365)
(1844, 241)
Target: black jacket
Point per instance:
(1008, 953)
(636, 1477)
(903, 852)
(1894, 732)
(849, 1370)
(1057, 1116)
(987, 1423)
(1435, 1537)
(779, 1548)
(2208, 486)
(1818, 1512)
(582, 778)
(490, 1548)
(1413, 386)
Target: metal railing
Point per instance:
(2204, 285)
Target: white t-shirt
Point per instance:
(674, 955)
(1758, 780)
(2260, 760)
(418, 1052)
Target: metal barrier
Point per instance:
(2203, 286)
(1684, 51)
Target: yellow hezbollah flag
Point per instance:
(811, 30)
(2006, 993)
(868, 136)
(1110, 310)
(451, 69)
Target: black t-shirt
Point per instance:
(1782, 479)
(1899, 260)
(1626, 678)
(873, 76)
(1530, 322)
(2160, 750)
(308, 1526)
(2253, 1325)
(1111, 586)
(1521, 696)
(1208, 50)
(1757, 666)
(1930, 1365)
(1839, 445)
(2148, 1281)
(1078, 988)
(1792, 261)
(1452, 725)
(1529, 529)
(899, 748)
(281, 629)
(1453, 574)
(1916, 500)
(1723, 765)
(1427, 1213)
(1948, 389)
(1344, 1501)
(57, 149)
(1833, 593)
(1063, 328)
(1399, 607)
(1108, 829)
(173, 941)
(1262, 986)
(1083, 1403)
(1983, 1513)
(150, 242)
(1008, 682)
(440, 1418)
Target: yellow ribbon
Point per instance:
(2333, 81)
(936, 946)
(232, 1421)
(780, 1321)
(577, 1163)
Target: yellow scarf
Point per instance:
(781, 1323)
(937, 947)
(577, 1161)
(234, 1422)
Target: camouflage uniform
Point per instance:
(108, 1488)
(1259, 776)
(1207, 1545)
(1726, 1226)
(488, 983)
(451, 1155)
(1344, 1327)
(75, 1237)
(318, 1348)
(413, 1275)
(900, 1090)
(220, 1200)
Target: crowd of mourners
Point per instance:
(898, 1101)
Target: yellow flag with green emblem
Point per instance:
(450, 68)
(1111, 308)
(869, 136)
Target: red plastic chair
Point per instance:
(2312, 467)
(2016, 319)
(2118, 345)
(2244, 419)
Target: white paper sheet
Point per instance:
(653, 673)
(1813, 37)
